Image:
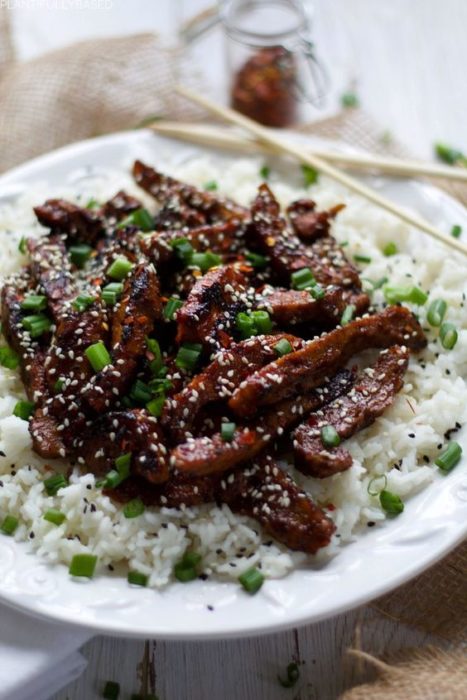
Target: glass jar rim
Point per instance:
(255, 38)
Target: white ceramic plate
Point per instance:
(378, 561)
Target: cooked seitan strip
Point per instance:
(119, 207)
(208, 455)
(300, 371)
(308, 223)
(168, 191)
(374, 391)
(224, 238)
(290, 307)
(218, 381)
(51, 271)
(269, 495)
(78, 223)
(133, 320)
(123, 432)
(210, 310)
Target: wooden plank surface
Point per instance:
(409, 60)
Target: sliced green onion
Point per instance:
(111, 691)
(119, 269)
(136, 578)
(54, 483)
(191, 559)
(140, 218)
(98, 356)
(123, 464)
(390, 249)
(374, 490)
(302, 279)
(155, 349)
(186, 569)
(9, 358)
(228, 431)
(34, 302)
(56, 517)
(377, 284)
(80, 254)
(317, 292)
(245, 324)
(188, 356)
(22, 245)
(436, 312)
(264, 172)
(183, 249)
(448, 154)
(251, 580)
(362, 258)
(283, 347)
(171, 307)
(414, 295)
(448, 335)
(310, 175)
(111, 292)
(456, 231)
(23, 410)
(448, 459)
(262, 321)
(83, 302)
(293, 674)
(156, 405)
(83, 565)
(58, 386)
(133, 508)
(112, 479)
(36, 325)
(140, 392)
(9, 525)
(159, 384)
(205, 260)
(330, 436)
(347, 314)
(92, 204)
(256, 260)
(210, 186)
(391, 502)
(349, 100)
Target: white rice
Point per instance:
(407, 435)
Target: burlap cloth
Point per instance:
(106, 85)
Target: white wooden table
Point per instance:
(409, 60)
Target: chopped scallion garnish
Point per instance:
(111, 292)
(183, 249)
(362, 258)
(123, 464)
(390, 249)
(155, 350)
(310, 175)
(140, 392)
(436, 312)
(136, 578)
(456, 231)
(34, 302)
(302, 279)
(119, 269)
(80, 254)
(156, 405)
(36, 325)
(22, 245)
(98, 356)
(283, 347)
(449, 155)
(205, 261)
(210, 186)
(245, 325)
(228, 431)
(448, 335)
(317, 292)
(133, 508)
(264, 172)
(347, 314)
(9, 525)
(56, 517)
(188, 356)
(171, 307)
(256, 260)
(330, 436)
(391, 502)
(9, 358)
(349, 99)
(413, 295)
(83, 565)
(262, 321)
(58, 386)
(186, 569)
(54, 483)
(251, 580)
(140, 218)
(83, 302)
(448, 459)
(23, 410)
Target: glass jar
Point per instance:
(271, 60)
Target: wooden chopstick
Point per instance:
(225, 137)
(268, 137)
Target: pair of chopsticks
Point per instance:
(321, 162)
